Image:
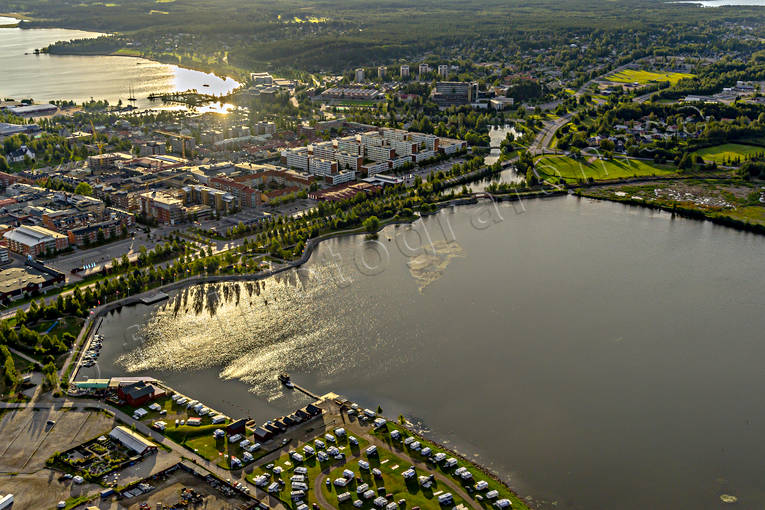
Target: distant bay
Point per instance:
(79, 78)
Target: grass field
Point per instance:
(645, 77)
(729, 153)
(572, 169)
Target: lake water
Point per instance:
(79, 78)
(496, 135)
(598, 356)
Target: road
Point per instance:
(544, 138)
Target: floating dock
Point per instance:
(154, 298)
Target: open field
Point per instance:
(729, 153)
(26, 440)
(644, 77)
(582, 169)
(43, 489)
(717, 200)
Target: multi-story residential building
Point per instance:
(296, 158)
(349, 145)
(247, 196)
(164, 207)
(322, 167)
(443, 70)
(371, 169)
(324, 150)
(281, 176)
(66, 219)
(378, 153)
(371, 138)
(454, 93)
(151, 148)
(216, 199)
(89, 234)
(359, 75)
(341, 177)
(381, 70)
(261, 79)
(424, 69)
(102, 162)
(404, 147)
(423, 155)
(400, 162)
(349, 161)
(33, 240)
(430, 141)
(404, 71)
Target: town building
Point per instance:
(31, 279)
(166, 208)
(20, 154)
(34, 240)
(381, 71)
(424, 69)
(139, 392)
(246, 196)
(454, 93)
(404, 71)
(33, 110)
(132, 440)
(217, 199)
(261, 79)
(359, 75)
(443, 71)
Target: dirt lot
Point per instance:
(41, 490)
(27, 441)
(168, 493)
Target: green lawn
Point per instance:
(573, 169)
(729, 152)
(645, 77)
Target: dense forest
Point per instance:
(336, 35)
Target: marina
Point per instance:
(313, 322)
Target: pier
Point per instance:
(154, 298)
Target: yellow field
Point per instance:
(645, 77)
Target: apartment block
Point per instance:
(296, 158)
(247, 196)
(378, 153)
(323, 167)
(164, 207)
(33, 240)
(349, 144)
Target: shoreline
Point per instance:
(684, 212)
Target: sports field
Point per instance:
(574, 169)
(729, 153)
